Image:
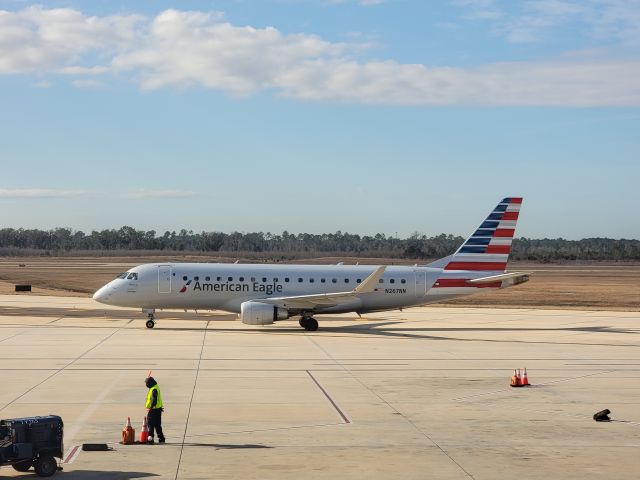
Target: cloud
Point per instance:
(531, 20)
(40, 193)
(184, 49)
(502, 84)
(48, 193)
(159, 193)
(36, 39)
(193, 49)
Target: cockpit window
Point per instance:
(123, 275)
(132, 276)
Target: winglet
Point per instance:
(370, 283)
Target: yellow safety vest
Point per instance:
(150, 397)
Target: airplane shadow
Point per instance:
(401, 330)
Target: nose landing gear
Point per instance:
(151, 315)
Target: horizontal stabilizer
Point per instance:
(513, 278)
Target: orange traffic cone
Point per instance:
(128, 433)
(525, 379)
(515, 380)
(144, 431)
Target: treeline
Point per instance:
(417, 246)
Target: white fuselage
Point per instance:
(204, 286)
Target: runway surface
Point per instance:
(416, 394)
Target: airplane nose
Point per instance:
(103, 294)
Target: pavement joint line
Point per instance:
(407, 419)
(193, 392)
(91, 408)
(13, 336)
(60, 369)
(55, 320)
(344, 417)
(554, 413)
(510, 390)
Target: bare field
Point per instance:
(571, 286)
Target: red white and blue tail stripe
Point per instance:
(488, 249)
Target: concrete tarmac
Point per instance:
(422, 393)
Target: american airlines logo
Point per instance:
(184, 289)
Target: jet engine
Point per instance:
(258, 313)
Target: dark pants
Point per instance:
(154, 419)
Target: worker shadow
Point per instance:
(97, 475)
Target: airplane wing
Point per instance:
(513, 278)
(368, 285)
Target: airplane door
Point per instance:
(164, 279)
(421, 282)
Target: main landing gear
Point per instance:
(310, 324)
(151, 315)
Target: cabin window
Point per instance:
(322, 280)
(275, 280)
(299, 280)
(403, 281)
(334, 280)
(184, 278)
(253, 279)
(208, 279)
(311, 280)
(359, 280)
(392, 280)
(230, 279)
(346, 280)
(132, 276)
(264, 279)
(286, 280)
(218, 279)
(381, 281)
(241, 279)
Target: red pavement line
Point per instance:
(72, 454)
(345, 419)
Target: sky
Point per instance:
(366, 116)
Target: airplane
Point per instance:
(265, 293)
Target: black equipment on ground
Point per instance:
(602, 415)
(32, 442)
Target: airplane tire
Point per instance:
(303, 322)
(311, 325)
(151, 324)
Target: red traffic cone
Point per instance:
(144, 431)
(128, 433)
(525, 379)
(515, 380)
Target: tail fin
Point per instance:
(488, 249)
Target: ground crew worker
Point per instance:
(154, 408)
